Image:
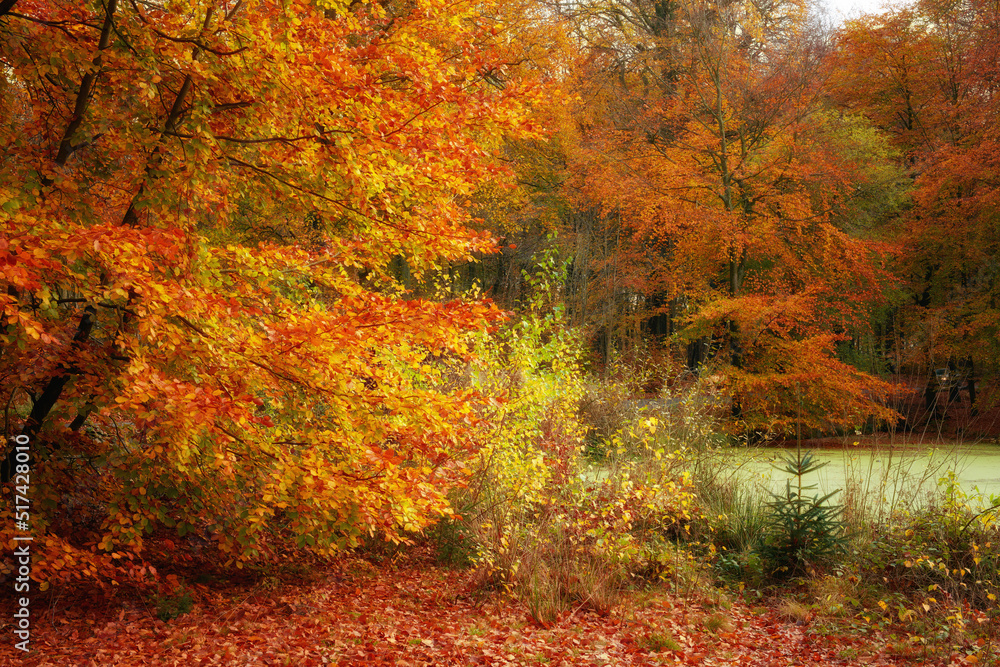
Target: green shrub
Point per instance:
(169, 607)
(745, 567)
(945, 554)
(453, 541)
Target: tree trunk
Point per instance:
(50, 395)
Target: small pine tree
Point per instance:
(803, 530)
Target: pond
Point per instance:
(893, 475)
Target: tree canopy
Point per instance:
(200, 201)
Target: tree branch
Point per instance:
(131, 217)
(6, 6)
(66, 147)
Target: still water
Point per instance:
(890, 474)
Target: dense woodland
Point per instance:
(742, 188)
(293, 277)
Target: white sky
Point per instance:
(844, 9)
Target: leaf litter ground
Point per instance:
(414, 614)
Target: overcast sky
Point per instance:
(841, 9)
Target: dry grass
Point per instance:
(794, 611)
(716, 623)
(833, 594)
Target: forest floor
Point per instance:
(412, 612)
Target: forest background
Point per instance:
(304, 277)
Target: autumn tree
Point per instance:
(730, 189)
(170, 363)
(927, 75)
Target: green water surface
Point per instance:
(891, 475)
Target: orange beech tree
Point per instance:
(928, 75)
(174, 362)
(729, 192)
